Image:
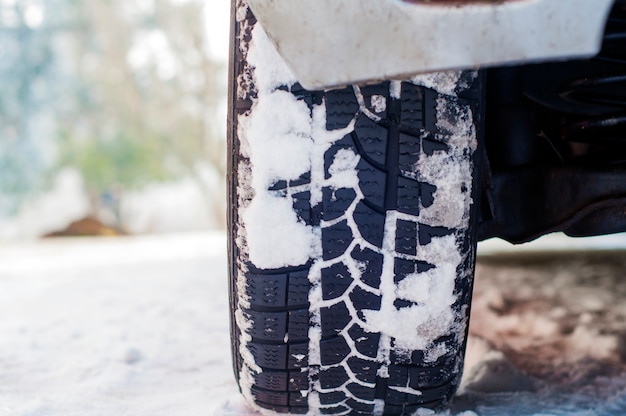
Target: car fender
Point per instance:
(337, 42)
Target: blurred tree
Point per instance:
(30, 79)
(148, 98)
(122, 90)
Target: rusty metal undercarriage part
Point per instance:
(521, 205)
(556, 145)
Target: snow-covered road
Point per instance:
(130, 326)
(139, 326)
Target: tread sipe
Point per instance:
(352, 246)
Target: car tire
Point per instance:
(352, 235)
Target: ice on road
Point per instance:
(139, 326)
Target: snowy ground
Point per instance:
(139, 326)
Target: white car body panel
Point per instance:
(337, 42)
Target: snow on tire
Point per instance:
(352, 246)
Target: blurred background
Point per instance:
(112, 116)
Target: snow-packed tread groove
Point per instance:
(309, 337)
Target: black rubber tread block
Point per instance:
(268, 291)
(267, 326)
(369, 91)
(336, 240)
(334, 350)
(412, 105)
(425, 377)
(407, 400)
(431, 394)
(371, 139)
(429, 104)
(408, 196)
(302, 206)
(401, 358)
(302, 180)
(311, 98)
(410, 149)
(333, 377)
(402, 303)
(431, 145)
(412, 399)
(363, 300)
(371, 224)
(372, 183)
(297, 399)
(297, 358)
(332, 397)
(364, 370)
(279, 186)
(336, 202)
(336, 279)
(406, 237)
(272, 357)
(298, 288)
(341, 108)
(427, 194)
(362, 392)
(298, 380)
(381, 387)
(298, 326)
(335, 410)
(410, 409)
(272, 380)
(270, 397)
(395, 397)
(418, 358)
(398, 375)
(365, 342)
(282, 184)
(298, 410)
(426, 233)
(360, 408)
(334, 319)
(391, 409)
(372, 264)
(404, 268)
